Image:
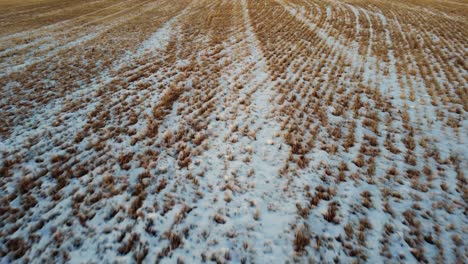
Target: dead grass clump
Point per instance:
(341, 176)
(371, 124)
(59, 158)
(418, 253)
(295, 142)
(336, 133)
(409, 142)
(457, 240)
(141, 253)
(301, 239)
(360, 161)
(107, 182)
(303, 211)
(343, 167)
(357, 104)
(393, 171)
(7, 165)
(125, 248)
(367, 200)
(81, 170)
(184, 159)
(17, 247)
(161, 185)
(296, 147)
(25, 184)
(348, 228)
(411, 219)
(350, 139)
(219, 219)
(166, 101)
(168, 137)
(175, 240)
(390, 147)
(198, 139)
(323, 194)
(136, 204)
(364, 224)
(124, 159)
(410, 158)
(28, 201)
(371, 169)
(412, 174)
(152, 127)
(331, 214)
(302, 161)
(372, 140)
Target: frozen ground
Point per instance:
(247, 131)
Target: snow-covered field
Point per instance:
(244, 131)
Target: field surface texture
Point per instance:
(247, 131)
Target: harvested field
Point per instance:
(247, 131)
